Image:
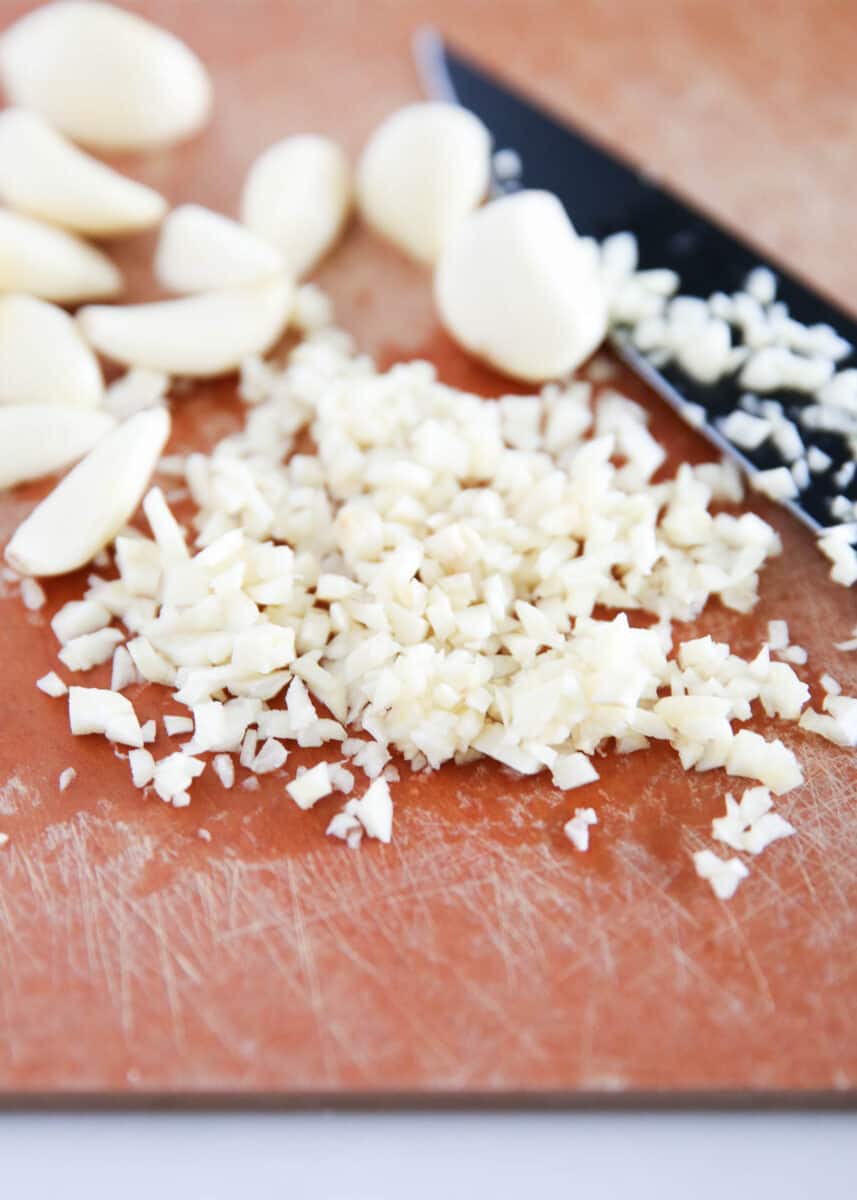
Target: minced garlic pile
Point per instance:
(446, 577)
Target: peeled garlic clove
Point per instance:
(201, 336)
(297, 197)
(137, 389)
(36, 439)
(45, 176)
(200, 250)
(422, 171)
(103, 76)
(49, 263)
(43, 358)
(515, 287)
(90, 505)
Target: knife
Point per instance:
(604, 195)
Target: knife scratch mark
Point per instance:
(126, 998)
(8, 994)
(751, 959)
(499, 931)
(11, 792)
(81, 875)
(156, 924)
(307, 962)
(408, 1012)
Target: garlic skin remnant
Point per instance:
(36, 439)
(297, 196)
(42, 175)
(68, 374)
(198, 336)
(515, 286)
(40, 260)
(201, 251)
(105, 77)
(422, 171)
(90, 505)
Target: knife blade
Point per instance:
(604, 195)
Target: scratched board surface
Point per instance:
(478, 952)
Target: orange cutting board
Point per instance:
(478, 953)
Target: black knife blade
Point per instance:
(604, 195)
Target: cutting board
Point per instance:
(479, 953)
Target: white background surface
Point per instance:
(411, 1156)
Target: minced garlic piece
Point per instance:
(723, 876)
(310, 786)
(577, 829)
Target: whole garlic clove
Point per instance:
(43, 358)
(200, 250)
(515, 287)
(36, 439)
(297, 196)
(422, 171)
(42, 261)
(43, 175)
(105, 77)
(137, 389)
(200, 336)
(90, 505)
